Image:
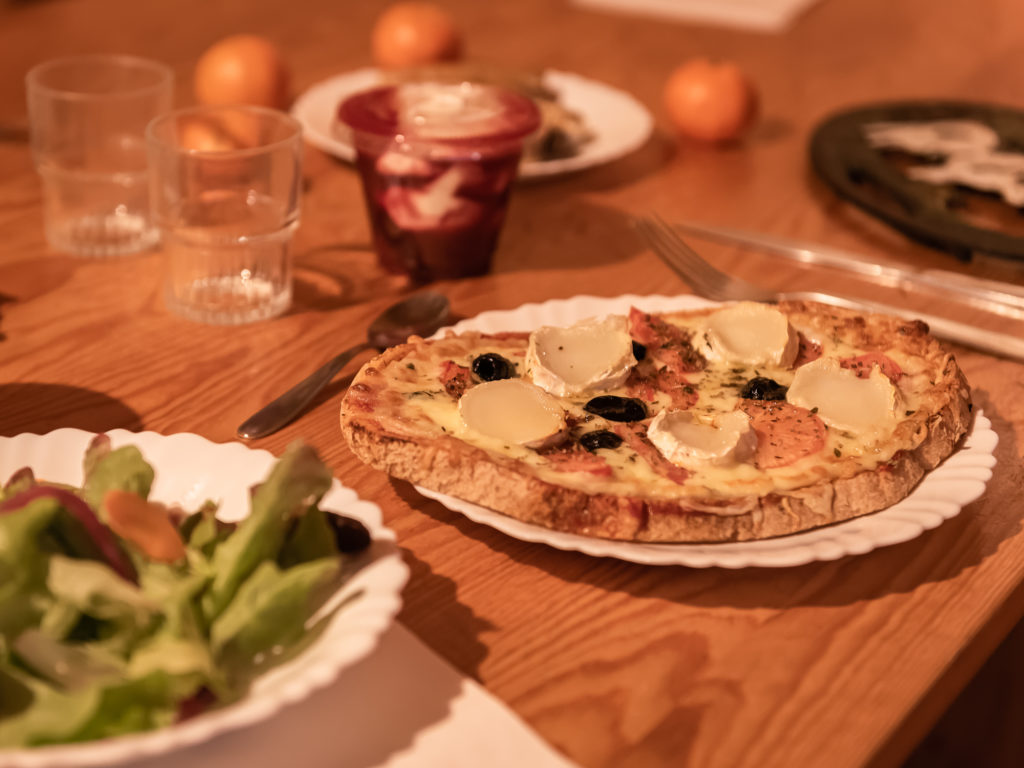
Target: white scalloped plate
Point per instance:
(619, 122)
(190, 469)
(940, 496)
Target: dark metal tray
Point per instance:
(931, 214)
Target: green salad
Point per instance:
(118, 614)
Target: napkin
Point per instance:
(761, 15)
(401, 707)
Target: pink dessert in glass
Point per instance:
(437, 163)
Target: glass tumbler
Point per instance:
(225, 192)
(87, 121)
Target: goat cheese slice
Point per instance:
(843, 400)
(514, 411)
(752, 334)
(687, 441)
(592, 355)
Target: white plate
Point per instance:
(620, 123)
(957, 481)
(190, 469)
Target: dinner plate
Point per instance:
(619, 122)
(940, 496)
(189, 470)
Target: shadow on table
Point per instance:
(335, 275)
(558, 230)
(450, 628)
(570, 566)
(4, 299)
(40, 408)
(934, 556)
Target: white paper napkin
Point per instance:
(402, 707)
(762, 15)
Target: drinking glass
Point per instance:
(437, 161)
(225, 190)
(87, 118)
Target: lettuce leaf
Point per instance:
(67, 665)
(123, 469)
(21, 480)
(203, 532)
(123, 612)
(97, 449)
(187, 663)
(94, 589)
(310, 538)
(60, 620)
(95, 711)
(269, 611)
(177, 590)
(78, 531)
(24, 564)
(298, 480)
(15, 694)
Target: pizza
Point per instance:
(732, 422)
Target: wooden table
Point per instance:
(844, 663)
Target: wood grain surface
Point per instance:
(838, 664)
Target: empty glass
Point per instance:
(225, 190)
(87, 120)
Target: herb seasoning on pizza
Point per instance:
(730, 423)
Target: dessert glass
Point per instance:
(437, 161)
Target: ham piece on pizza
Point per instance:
(731, 423)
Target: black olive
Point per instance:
(639, 351)
(350, 535)
(491, 366)
(762, 388)
(601, 438)
(615, 408)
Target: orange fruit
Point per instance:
(242, 69)
(709, 101)
(410, 34)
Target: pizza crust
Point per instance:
(378, 433)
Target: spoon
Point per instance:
(420, 314)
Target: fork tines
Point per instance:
(673, 250)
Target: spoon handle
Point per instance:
(279, 412)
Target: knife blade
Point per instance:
(990, 295)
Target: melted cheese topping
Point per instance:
(751, 334)
(591, 356)
(515, 411)
(845, 401)
(687, 441)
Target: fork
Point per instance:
(713, 284)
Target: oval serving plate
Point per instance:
(190, 469)
(940, 496)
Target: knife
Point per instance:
(990, 295)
